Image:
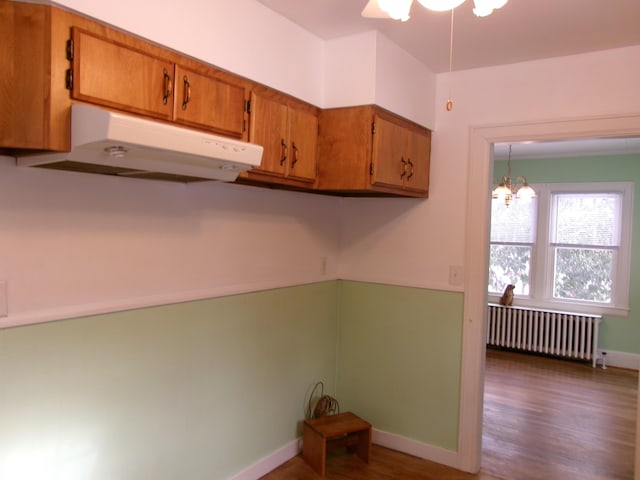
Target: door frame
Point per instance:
(479, 175)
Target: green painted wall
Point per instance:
(399, 357)
(616, 333)
(197, 390)
(205, 389)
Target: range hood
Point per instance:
(118, 144)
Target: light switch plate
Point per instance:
(456, 275)
(4, 310)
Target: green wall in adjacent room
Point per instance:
(616, 333)
(399, 358)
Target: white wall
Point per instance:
(87, 244)
(403, 84)
(77, 244)
(415, 242)
(350, 70)
(409, 242)
(368, 68)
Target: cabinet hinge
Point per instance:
(244, 125)
(371, 168)
(70, 49)
(69, 79)
(248, 106)
(373, 127)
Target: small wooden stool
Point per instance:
(334, 431)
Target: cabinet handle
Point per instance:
(404, 167)
(283, 158)
(187, 93)
(411, 171)
(295, 154)
(168, 86)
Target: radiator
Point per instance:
(548, 332)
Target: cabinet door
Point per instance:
(389, 161)
(208, 102)
(115, 75)
(269, 128)
(418, 156)
(303, 133)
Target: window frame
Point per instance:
(542, 253)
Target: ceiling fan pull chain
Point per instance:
(449, 101)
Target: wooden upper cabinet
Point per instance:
(288, 131)
(269, 128)
(419, 156)
(202, 100)
(303, 135)
(388, 165)
(400, 156)
(121, 76)
(362, 150)
(369, 151)
(115, 75)
(34, 102)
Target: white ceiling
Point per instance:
(520, 31)
(567, 148)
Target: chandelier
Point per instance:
(507, 190)
(399, 9)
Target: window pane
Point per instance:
(515, 223)
(586, 219)
(583, 274)
(509, 264)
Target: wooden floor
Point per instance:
(544, 419)
(555, 419)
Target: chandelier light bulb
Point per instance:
(526, 192)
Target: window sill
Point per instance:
(568, 307)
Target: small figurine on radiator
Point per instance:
(507, 296)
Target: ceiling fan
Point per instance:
(399, 9)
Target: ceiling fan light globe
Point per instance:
(486, 7)
(440, 5)
(396, 9)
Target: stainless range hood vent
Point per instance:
(113, 143)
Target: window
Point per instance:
(568, 248)
(513, 234)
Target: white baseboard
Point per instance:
(415, 448)
(384, 439)
(270, 462)
(619, 359)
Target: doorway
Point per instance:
(476, 258)
(545, 417)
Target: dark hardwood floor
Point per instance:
(545, 419)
